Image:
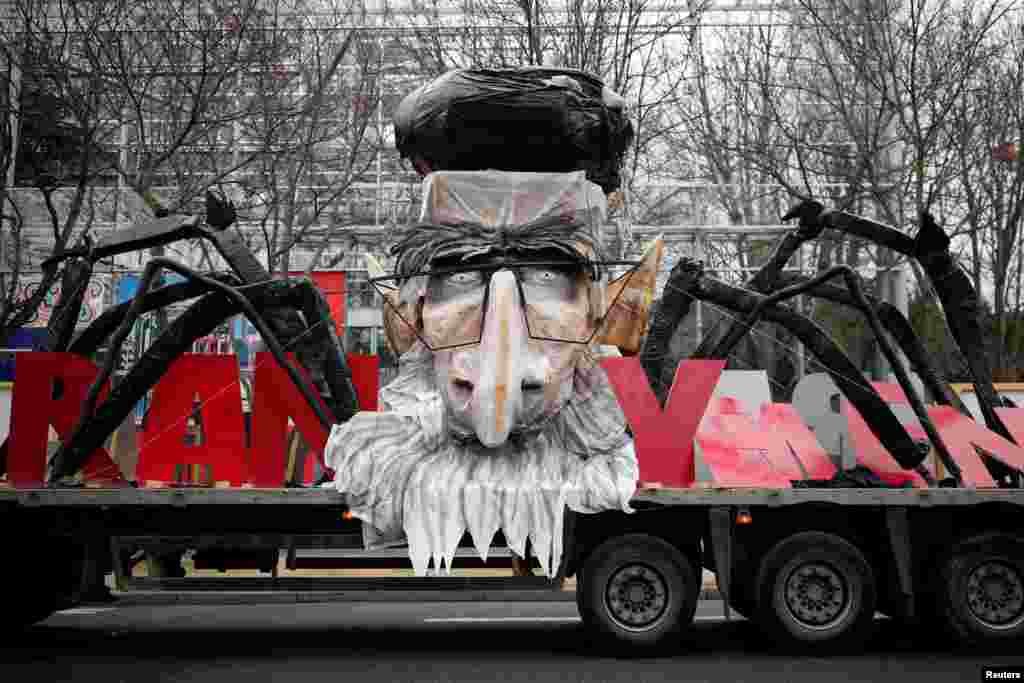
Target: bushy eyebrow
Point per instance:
(429, 243)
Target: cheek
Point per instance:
(452, 323)
(559, 357)
(559, 360)
(561, 320)
(442, 366)
(562, 316)
(457, 363)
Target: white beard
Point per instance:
(404, 475)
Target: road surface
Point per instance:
(371, 643)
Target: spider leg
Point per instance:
(95, 425)
(197, 321)
(316, 345)
(960, 301)
(322, 343)
(726, 346)
(89, 339)
(848, 378)
(897, 325)
(61, 326)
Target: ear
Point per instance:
(629, 300)
(400, 336)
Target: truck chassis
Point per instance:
(810, 566)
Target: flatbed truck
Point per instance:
(812, 566)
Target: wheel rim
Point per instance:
(637, 596)
(817, 596)
(995, 595)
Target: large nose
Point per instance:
(497, 400)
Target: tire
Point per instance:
(45, 576)
(28, 601)
(980, 599)
(637, 593)
(816, 589)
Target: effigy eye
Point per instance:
(547, 278)
(458, 285)
(464, 279)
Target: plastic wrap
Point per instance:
(529, 119)
(503, 198)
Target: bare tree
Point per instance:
(987, 205)
(51, 151)
(312, 129)
(273, 100)
(848, 102)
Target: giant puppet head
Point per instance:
(500, 416)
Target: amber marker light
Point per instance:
(743, 517)
(347, 515)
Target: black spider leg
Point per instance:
(92, 429)
(853, 285)
(770, 276)
(851, 382)
(960, 302)
(89, 340)
(898, 327)
(322, 353)
(809, 227)
(319, 349)
(197, 321)
(676, 300)
(61, 325)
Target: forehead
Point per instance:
(501, 257)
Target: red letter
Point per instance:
(664, 440)
(34, 410)
(214, 377)
(276, 398)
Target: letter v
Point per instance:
(664, 439)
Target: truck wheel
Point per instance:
(28, 597)
(981, 595)
(44, 578)
(637, 591)
(817, 589)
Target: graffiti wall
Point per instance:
(97, 294)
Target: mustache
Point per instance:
(405, 477)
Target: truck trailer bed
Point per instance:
(182, 497)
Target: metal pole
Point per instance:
(380, 126)
(801, 363)
(698, 255)
(14, 95)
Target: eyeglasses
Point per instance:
(555, 306)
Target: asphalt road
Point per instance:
(370, 643)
